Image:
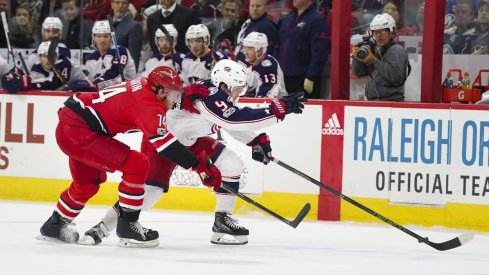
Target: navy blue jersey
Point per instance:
(48, 80)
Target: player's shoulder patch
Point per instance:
(266, 63)
(213, 90)
(162, 131)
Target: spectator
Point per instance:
(23, 29)
(265, 78)
(397, 13)
(386, 63)
(197, 64)
(77, 34)
(206, 9)
(228, 23)
(479, 39)
(39, 9)
(455, 37)
(258, 22)
(172, 13)
(128, 32)
(51, 28)
(303, 48)
(167, 55)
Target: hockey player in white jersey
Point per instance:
(198, 63)
(103, 66)
(265, 77)
(51, 28)
(166, 55)
(192, 124)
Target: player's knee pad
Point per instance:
(230, 165)
(152, 195)
(135, 167)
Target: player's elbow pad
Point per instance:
(180, 155)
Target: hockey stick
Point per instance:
(22, 61)
(6, 31)
(450, 244)
(52, 58)
(294, 223)
(170, 40)
(117, 53)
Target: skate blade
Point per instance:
(87, 240)
(226, 239)
(49, 239)
(131, 243)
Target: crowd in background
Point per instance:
(466, 25)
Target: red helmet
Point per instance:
(164, 77)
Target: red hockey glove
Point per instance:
(261, 149)
(288, 104)
(208, 172)
(190, 94)
(14, 83)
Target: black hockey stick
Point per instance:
(294, 223)
(22, 61)
(170, 40)
(6, 31)
(450, 244)
(52, 58)
(114, 40)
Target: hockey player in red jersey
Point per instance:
(87, 124)
(192, 124)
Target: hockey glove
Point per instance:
(261, 149)
(208, 172)
(14, 83)
(288, 104)
(81, 85)
(190, 94)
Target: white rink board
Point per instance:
(35, 160)
(429, 156)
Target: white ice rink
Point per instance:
(315, 247)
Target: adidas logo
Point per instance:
(333, 127)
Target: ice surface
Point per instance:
(315, 247)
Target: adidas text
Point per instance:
(332, 131)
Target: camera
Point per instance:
(363, 47)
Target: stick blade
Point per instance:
(305, 210)
(453, 243)
(52, 51)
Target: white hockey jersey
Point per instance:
(159, 60)
(104, 70)
(218, 111)
(198, 68)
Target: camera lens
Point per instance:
(362, 52)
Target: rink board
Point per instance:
(415, 163)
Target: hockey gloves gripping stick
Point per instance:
(190, 94)
(208, 172)
(15, 82)
(261, 149)
(293, 103)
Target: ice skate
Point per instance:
(94, 235)
(225, 226)
(132, 234)
(57, 228)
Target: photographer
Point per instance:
(383, 60)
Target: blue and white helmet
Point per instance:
(230, 73)
(256, 40)
(197, 31)
(44, 48)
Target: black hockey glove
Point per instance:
(293, 103)
(261, 149)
